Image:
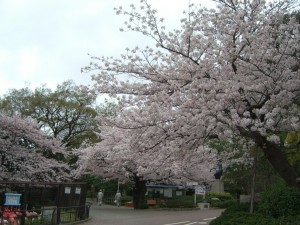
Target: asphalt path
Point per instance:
(113, 215)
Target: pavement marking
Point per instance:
(177, 223)
(190, 223)
(210, 218)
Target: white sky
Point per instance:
(47, 41)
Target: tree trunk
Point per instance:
(139, 191)
(253, 180)
(278, 160)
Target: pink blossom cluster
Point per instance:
(228, 71)
(26, 152)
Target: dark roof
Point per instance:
(160, 186)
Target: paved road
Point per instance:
(112, 215)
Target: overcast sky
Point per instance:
(47, 41)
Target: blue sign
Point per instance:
(12, 199)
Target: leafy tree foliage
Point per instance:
(238, 177)
(66, 113)
(239, 171)
(28, 154)
(227, 71)
(292, 143)
(99, 183)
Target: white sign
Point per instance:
(168, 193)
(199, 190)
(191, 183)
(178, 193)
(67, 190)
(78, 190)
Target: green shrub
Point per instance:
(179, 202)
(290, 220)
(222, 196)
(222, 204)
(162, 203)
(280, 202)
(34, 222)
(237, 207)
(243, 218)
(220, 200)
(238, 214)
(91, 194)
(231, 217)
(126, 198)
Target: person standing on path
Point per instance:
(118, 198)
(99, 197)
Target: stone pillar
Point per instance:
(217, 186)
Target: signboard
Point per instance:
(12, 199)
(78, 190)
(49, 214)
(199, 190)
(67, 190)
(168, 193)
(191, 184)
(178, 193)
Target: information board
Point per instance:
(12, 199)
(199, 190)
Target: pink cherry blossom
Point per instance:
(233, 70)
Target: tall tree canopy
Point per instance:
(27, 153)
(67, 113)
(231, 70)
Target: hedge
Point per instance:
(280, 202)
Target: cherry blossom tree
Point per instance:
(231, 70)
(28, 154)
(130, 155)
